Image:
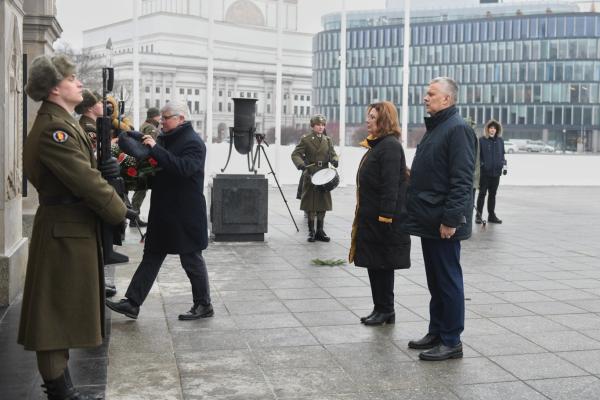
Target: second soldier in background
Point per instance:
(315, 152)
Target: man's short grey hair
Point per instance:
(176, 108)
(449, 86)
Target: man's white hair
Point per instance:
(449, 86)
(176, 108)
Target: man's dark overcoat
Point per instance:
(177, 222)
(441, 178)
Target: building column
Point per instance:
(29, 27)
(595, 141)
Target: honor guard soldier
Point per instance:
(315, 152)
(90, 109)
(63, 298)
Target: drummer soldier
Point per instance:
(314, 153)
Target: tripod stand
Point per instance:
(260, 139)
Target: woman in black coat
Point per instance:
(381, 181)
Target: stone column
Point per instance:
(13, 247)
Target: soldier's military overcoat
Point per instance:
(63, 299)
(318, 151)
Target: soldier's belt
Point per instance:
(59, 200)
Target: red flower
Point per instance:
(121, 157)
(132, 171)
(152, 162)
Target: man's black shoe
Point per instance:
(109, 290)
(478, 219)
(380, 319)
(197, 312)
(426, 342)
(494, 220)
(442, 352)
(115, 258)
(363, 319)
(125, 307)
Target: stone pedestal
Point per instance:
(238, 208)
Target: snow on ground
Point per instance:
(524, 169)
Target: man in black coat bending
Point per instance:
(177, 220)
(439, 210)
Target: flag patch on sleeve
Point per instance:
(60, 136)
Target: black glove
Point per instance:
(129, 143)
(136, 135)
(302, 167)
(334, 163)
(131, 214)
(109, 168)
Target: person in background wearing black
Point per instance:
(493, 165)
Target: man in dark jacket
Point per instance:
(439, 210)
(177, 221)
(492, 164)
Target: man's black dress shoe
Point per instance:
(109, 290)
(380, 319)
(442, 352)
(363, 319)
(426, 342)
(197, 312)
(125, 307)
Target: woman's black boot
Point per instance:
(381, 318)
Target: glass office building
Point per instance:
(535, 68)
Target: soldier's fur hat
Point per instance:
(152, 112)
(89, 100)
(45, 73)
(318, 119)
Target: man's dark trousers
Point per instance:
(445, 282)
(147, 271)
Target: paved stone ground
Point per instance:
(286, 329)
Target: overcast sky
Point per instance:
(75, 16)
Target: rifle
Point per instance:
(111, 234)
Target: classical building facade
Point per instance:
(534, 67)
(29, 28)
(173, 59)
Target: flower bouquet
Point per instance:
(134, 172)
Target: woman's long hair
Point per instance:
(387, 119)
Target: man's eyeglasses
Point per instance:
(166, 117)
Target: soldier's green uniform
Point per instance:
(316, 150)
(63, 304)
(150, 127)
(63, 298)
(89, 126)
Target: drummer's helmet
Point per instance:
(318, 119)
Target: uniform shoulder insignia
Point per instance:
(60, 136)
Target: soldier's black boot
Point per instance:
(61, 388)
(321, 235)
(109, 290)
(311, 230)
